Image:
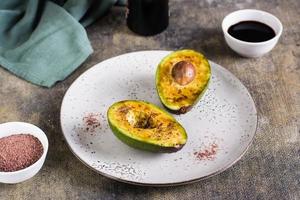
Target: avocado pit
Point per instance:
(183, 72)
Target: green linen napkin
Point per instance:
(44, 41)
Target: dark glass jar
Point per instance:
(148, 17)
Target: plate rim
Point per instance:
(138, 183)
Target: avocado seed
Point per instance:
(183, 72)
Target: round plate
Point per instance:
(220, 127)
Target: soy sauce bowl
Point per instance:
(13, 128)
(251, 49)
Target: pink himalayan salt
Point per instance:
(19, 151)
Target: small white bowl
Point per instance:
(251, 49)
(12, 128)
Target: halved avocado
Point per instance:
(145, 126)
(181, 79)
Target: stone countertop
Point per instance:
(269, 170)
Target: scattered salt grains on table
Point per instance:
(19, 151)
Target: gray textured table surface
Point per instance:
(269, 170)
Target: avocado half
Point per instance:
(181, 79)
(145, 126)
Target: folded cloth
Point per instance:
(44, 41)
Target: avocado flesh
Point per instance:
(145, 126)
(178, 98)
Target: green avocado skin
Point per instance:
(141, 145)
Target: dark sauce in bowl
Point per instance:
(251, 31)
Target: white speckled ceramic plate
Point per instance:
(220, 127)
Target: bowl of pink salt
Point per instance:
(23, 149)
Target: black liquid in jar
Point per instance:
(148, 17)
(251, 31)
